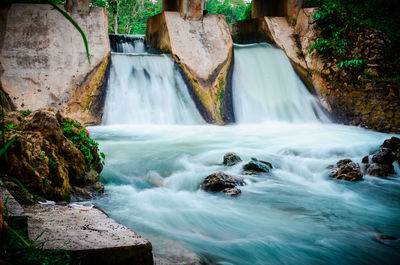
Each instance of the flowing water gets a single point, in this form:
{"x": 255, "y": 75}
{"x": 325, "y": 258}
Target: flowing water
{"x": 146, "y": 89}
{"x": 265, "y": 87}
{"x": 294, "y": 215}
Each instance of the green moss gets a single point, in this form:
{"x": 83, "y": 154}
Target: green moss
{"x": 74, "y": 132}
{"x": 221, "y": 96}
{"x": 212, "y": 98}
{"x": 95, "y": 82}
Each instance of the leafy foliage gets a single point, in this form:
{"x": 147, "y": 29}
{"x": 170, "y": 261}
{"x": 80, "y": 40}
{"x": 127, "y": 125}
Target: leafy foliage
{"x": 25, "y": 112}
{"x": 233, "y": 10}
{"x": 377, "y": 14}
{"x": 247, "y": 12}
{"x": 336, "y": 25}
{"x": 131, "y": 14}
{"x": 357, "y": 63}
{"x": 76, "y": 134}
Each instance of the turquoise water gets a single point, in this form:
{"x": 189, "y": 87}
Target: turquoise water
{"x": 295, "y": 215}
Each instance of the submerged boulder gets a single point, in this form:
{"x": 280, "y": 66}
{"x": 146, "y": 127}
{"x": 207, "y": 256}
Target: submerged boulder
{"x": 231, "y": 159}
{"x": 346, "y": 170}
{"x": 384, "y": 156}
{"x": 221, "y": 182}
{"x": 49, "y": 153}
{"x": 379, "y": 170}
{"x": 383, "y": 159}
{"x": 256, "y": 166}
{"x": 232, "y": 191}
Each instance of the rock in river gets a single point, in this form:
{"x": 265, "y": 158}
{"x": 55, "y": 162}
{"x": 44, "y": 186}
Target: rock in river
{"x": 346, "y": 170}
{"x": 231, "y": 159}
{"x": 256, "y": 166}
{"x": 222, "y": 182}
{"x": 383, "y": 159}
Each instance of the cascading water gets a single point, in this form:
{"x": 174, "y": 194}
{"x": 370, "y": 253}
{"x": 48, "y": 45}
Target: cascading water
{"x": 296, "y": 214}
{"x": 265, "y": 87}
{"x": 127, "y": 43}
{"x": 146, "y": 88}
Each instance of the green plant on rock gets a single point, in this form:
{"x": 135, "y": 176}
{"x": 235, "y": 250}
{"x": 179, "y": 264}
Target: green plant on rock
{"x": 340, "y": 20}
{"x": 320, "y": 45}
{"x": 25, "y": 112}
{"x": 76, "y": 134}
{"x": 357, "y": 63}
{"x": 52, "y": 164}
{"x": 336, "y": 25}
{"x": 10, "y": 127}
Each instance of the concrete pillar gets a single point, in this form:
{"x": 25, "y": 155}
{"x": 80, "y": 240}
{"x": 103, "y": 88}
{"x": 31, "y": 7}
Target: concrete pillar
{"x": 171, "y": 5}
{"x": 189, "y": 9}
{"x": 275, "y": 8}
{"x": 82, "y": 6}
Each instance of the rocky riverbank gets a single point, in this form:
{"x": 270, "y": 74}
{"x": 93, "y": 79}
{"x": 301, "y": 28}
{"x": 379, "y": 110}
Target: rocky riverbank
{"x": 51, "y": 160}
{"x": 51, "y": 155}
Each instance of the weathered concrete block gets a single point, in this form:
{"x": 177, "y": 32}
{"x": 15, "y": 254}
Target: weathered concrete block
{"x": 251, "y": 31}
{"x": 44, "y": 59}
{"x": 203, "y": 49}
{"x": 276, "y": 8}
{"x": 88, "y": 234}
{"x": 82, "y": 6}
{"x": 189, "y": 9}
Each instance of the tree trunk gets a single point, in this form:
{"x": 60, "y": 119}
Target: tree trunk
{"x": 115, "y": 13}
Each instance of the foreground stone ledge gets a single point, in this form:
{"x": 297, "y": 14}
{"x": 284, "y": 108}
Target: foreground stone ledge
{"x": 14, "y": 209}
{"x": 88, "y": 234}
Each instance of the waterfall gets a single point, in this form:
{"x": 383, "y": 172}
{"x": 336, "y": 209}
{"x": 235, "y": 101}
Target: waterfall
{"x": 294, "y": 214}
{"x": 127, "y": 43}
{"x": 266, "y": 88}
{"x": 145, "y": 88}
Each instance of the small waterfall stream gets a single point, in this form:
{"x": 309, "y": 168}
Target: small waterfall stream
{"x": 159, "y": 151}
{"x": 146, "y": 88}
{"x": 265, "y": 87}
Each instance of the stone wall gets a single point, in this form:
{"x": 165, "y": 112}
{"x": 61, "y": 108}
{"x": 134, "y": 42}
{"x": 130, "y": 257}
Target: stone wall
{"x": 6, "y": 102}
{"x": 276, "y": 8}
{"x": 189, "y": 9}
{"x": 367, "y": 103}
{"x": 44, "y": 60}
{"x": 203, "y": 49}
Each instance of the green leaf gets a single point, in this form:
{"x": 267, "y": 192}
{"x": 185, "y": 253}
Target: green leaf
{"x": 73, "y": 22}
{"x": 20, "y": 237}
{"x": 23, "y": 188}
{"x": 6, "y": 146}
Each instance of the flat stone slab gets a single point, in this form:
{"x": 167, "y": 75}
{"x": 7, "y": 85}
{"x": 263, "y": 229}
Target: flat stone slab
{"x": 88, "y": 234}
{"x": 13, "y": 207}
